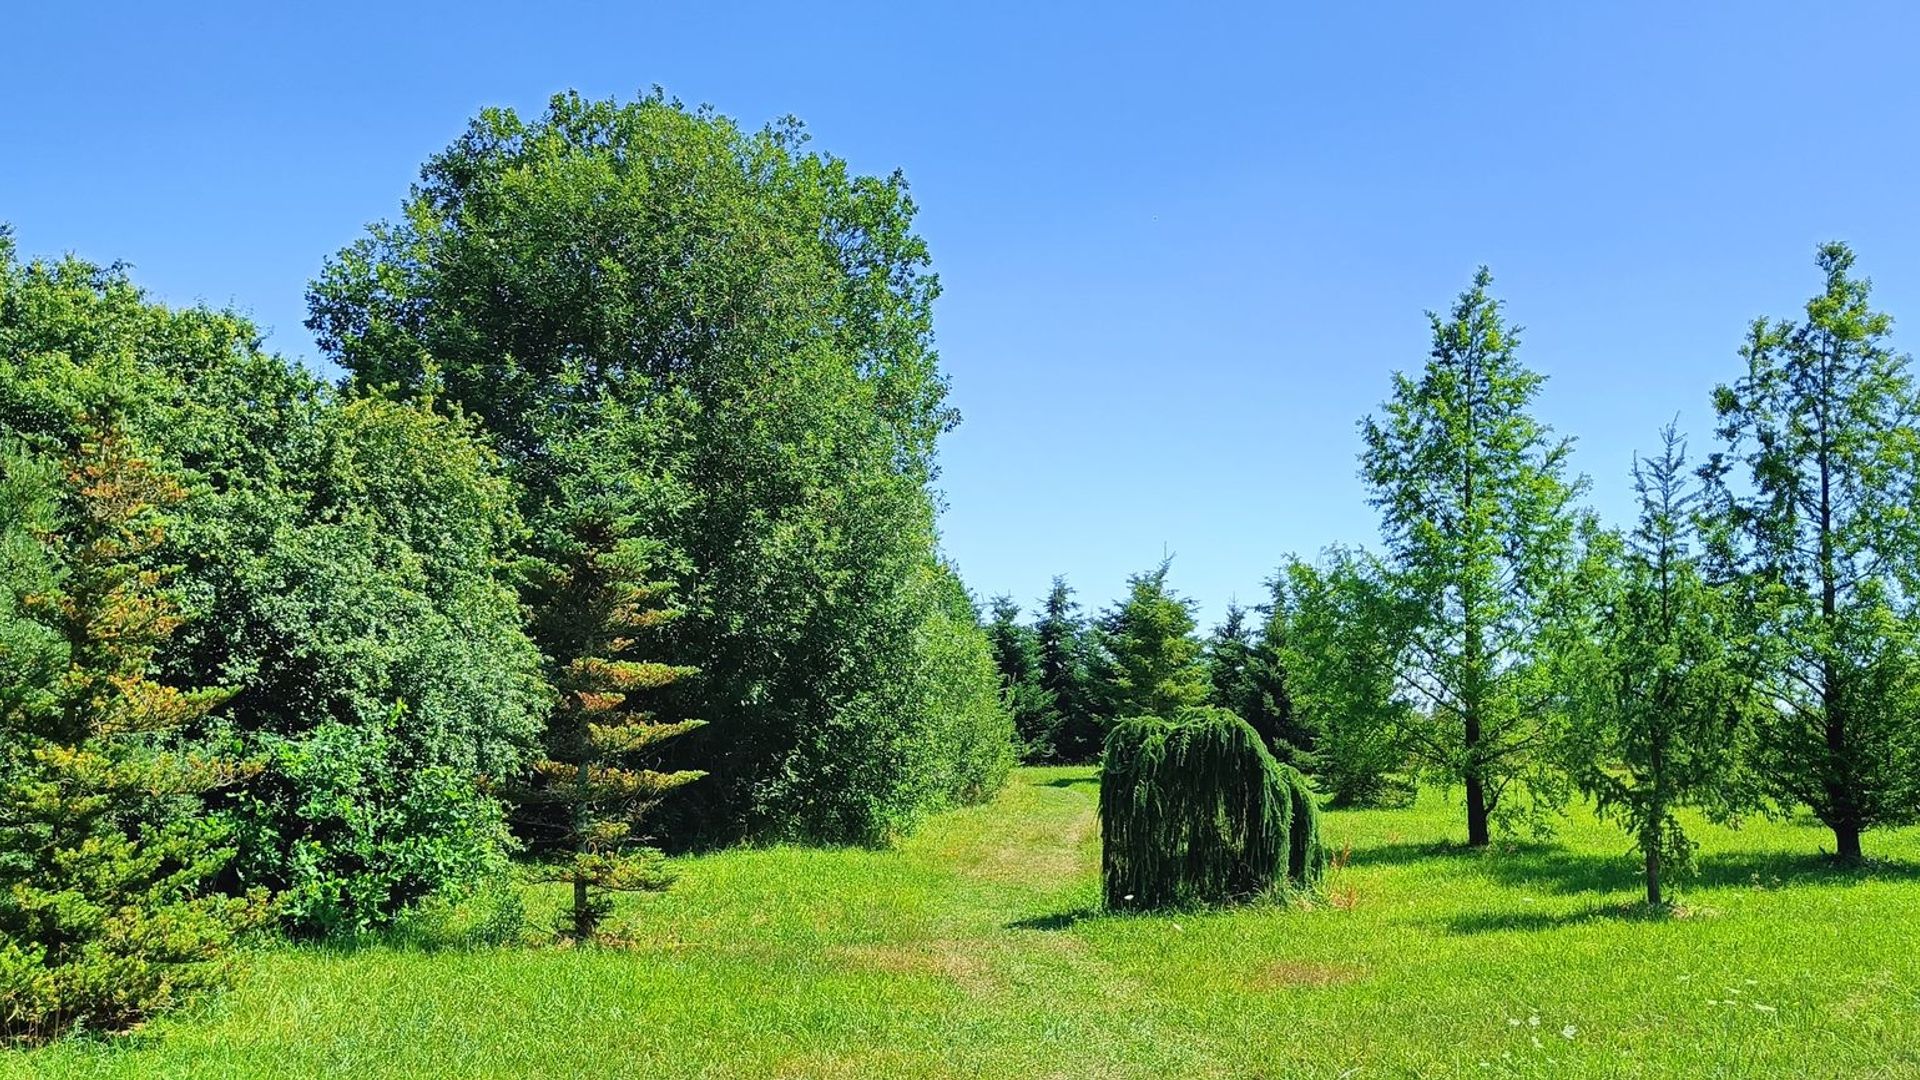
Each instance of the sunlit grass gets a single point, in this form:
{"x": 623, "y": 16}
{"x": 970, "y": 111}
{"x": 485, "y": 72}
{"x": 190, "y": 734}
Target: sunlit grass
{"x": 975, "y": 949}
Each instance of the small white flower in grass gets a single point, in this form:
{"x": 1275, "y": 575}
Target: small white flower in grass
{"x": 1764, "y": 1008}
{"x": 1129, "y": 896}
{"x": 1533, "y": 1021}
{"x": 1569, "y": 1031}
{"x": 1536, "y": 1041}
{"x": 1513, "y": 1021}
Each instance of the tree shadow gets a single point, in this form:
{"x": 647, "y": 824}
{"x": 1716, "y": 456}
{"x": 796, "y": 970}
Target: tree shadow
{"x": 1406, "y": 853}
{"x": 1496, "y": 922}
{"x": 1073, "y": 781}
{"x": 1059, "y": 920}
{"x": 1555, "y": 868}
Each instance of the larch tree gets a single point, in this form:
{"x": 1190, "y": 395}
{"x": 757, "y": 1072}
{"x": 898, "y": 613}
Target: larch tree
{"x": 1665, "y": 698}
{"x": 1477, "y": 511}
{"x": 1822, "y": 522}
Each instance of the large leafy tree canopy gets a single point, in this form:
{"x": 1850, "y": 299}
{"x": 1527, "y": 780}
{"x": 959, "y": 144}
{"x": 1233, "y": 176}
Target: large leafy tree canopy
{"x": 738, "y": 331}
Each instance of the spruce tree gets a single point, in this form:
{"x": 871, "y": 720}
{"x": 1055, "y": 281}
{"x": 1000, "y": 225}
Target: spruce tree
{"x": 1229, "y": 660}
{"x": 1016, "y": 650}
{"x": 1823, "y": 526}
{"x": 1151, "y": 650}
{"x": 107, "y": 908}
{"x": 1477, "y": 511}
{"x": 590, "y": 794}
{"x": 1060, "y": 636}
{"x": 1666, "y": 698}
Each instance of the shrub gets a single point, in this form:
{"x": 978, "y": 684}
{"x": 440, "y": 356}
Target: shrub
{"x": 1197, "y": 811}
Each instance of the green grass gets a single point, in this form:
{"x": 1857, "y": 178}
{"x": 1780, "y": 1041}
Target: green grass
{"x": 974, "y": 950}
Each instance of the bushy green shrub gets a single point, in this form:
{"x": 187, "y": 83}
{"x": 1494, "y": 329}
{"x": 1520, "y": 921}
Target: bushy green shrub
{"x": 1197, "y": 811}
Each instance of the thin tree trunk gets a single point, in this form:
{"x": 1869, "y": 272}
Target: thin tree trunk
{"x": 1478, "y": 834}
{"x": 1653, "y": 864}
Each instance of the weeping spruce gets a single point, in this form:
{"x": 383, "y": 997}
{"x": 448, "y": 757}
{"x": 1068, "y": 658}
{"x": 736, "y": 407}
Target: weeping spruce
{"x": 1197, "y": 811}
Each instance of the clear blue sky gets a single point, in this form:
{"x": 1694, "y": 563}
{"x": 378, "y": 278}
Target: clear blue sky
{"x": 1181, "y": 252}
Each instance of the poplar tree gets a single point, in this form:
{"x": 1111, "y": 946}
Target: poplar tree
{"x": 1823, "y": 525}
{"x": 1477, "y": 511}
{"x": 1666, "y": 698}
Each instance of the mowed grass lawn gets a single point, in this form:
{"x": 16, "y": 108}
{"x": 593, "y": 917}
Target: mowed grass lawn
{"x": 975, "y": 949}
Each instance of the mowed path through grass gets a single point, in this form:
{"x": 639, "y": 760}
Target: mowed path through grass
{"x": 975, "y": 949}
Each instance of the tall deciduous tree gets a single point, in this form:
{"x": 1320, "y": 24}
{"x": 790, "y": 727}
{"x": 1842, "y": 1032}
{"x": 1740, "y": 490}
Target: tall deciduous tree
{"x": 1152, "y": 650}
{"x": 1663, "y": 695}
{"x": 766, "y": 314}
{"x": 1477, "y": 510}
{"x": 1825, "y": 525}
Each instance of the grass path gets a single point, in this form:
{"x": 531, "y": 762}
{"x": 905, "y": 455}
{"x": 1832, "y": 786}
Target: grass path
{"x": 974, "y": 950}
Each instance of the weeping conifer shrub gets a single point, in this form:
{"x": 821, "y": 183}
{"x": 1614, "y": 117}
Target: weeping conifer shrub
{"x": 1197, "y": 811}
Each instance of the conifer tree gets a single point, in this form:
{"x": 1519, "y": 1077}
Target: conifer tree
{"x": 1823, "y": 526}
{"x": 106, "y": 864}
{"x": 1229, "y": 660}
{"x": 1016, "y": 654}
{"x": 1477, "y": 511}
{"x": 1666, "y": 698}
{"x": 592, "y": 791}
{"x": 1152, "y": 651}
{"x": 1061, "y": 645}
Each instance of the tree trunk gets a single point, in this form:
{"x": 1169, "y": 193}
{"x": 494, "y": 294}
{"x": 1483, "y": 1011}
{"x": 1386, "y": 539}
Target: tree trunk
{"x": 1478, "y": 834}
{"x": 1652, "y": 845}
{"x": 1846, "y": 840}
{"x": 582, "y": 912}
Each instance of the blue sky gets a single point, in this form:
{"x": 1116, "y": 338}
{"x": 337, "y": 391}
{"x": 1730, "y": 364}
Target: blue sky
{"x": 1181, "y": 252}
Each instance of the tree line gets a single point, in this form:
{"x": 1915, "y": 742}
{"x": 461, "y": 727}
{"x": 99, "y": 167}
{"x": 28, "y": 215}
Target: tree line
{"x": 1749, "y": 644}
{"x": 625, "y": 490}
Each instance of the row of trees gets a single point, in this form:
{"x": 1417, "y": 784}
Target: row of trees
{"x": 1750, "y": 643}
{"x": 626, "y": 489}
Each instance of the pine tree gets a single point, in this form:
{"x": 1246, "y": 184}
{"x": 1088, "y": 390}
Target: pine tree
{"x": 1151, "y": 650}
{"x": 1477, "y": 512}
{"x": 1667, "y": 702}
{"x": 1824, "y": 529}
{"x": 592, "y": 791}
{"x": 1229, "y": 660}
{"x": 107, "y": 913}
{"x": 1060, "y": 636}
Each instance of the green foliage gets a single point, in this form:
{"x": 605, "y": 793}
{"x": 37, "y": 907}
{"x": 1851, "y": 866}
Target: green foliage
{"x": 599, "y": 606}
{"x": 1062, "y": 642}
{"x": 344, "y": 562}
{"x": 1331, "y": 630}
{"x": 1196, "y": 811}
{"x": 1016, "y": 655}
{"x": 1477, "y": 512}
{"x": 1664, "y": 700}
{"x": 1151, "y": 654}
{"x": 1823, "y": 528}
{"x": 638, "y": 290}
{"x": 106, "y": 913}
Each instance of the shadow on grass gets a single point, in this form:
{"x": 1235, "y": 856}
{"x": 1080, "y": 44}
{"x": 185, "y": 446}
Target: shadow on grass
{"x": 1059, "y": 920}
{"x": 1496, "y": 922}
{"x": 1073, "y": 781}
{"x": 1564, "y": 871}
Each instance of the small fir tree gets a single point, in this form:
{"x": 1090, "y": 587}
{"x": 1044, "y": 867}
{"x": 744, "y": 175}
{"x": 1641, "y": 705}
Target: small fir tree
{"x": 107, "y": 913}
{"x": 1061, "y": 642}
{"x": 1152, "y": 654}
{"x": 1016, "y": 654}
{"x": 590, "y": 794}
